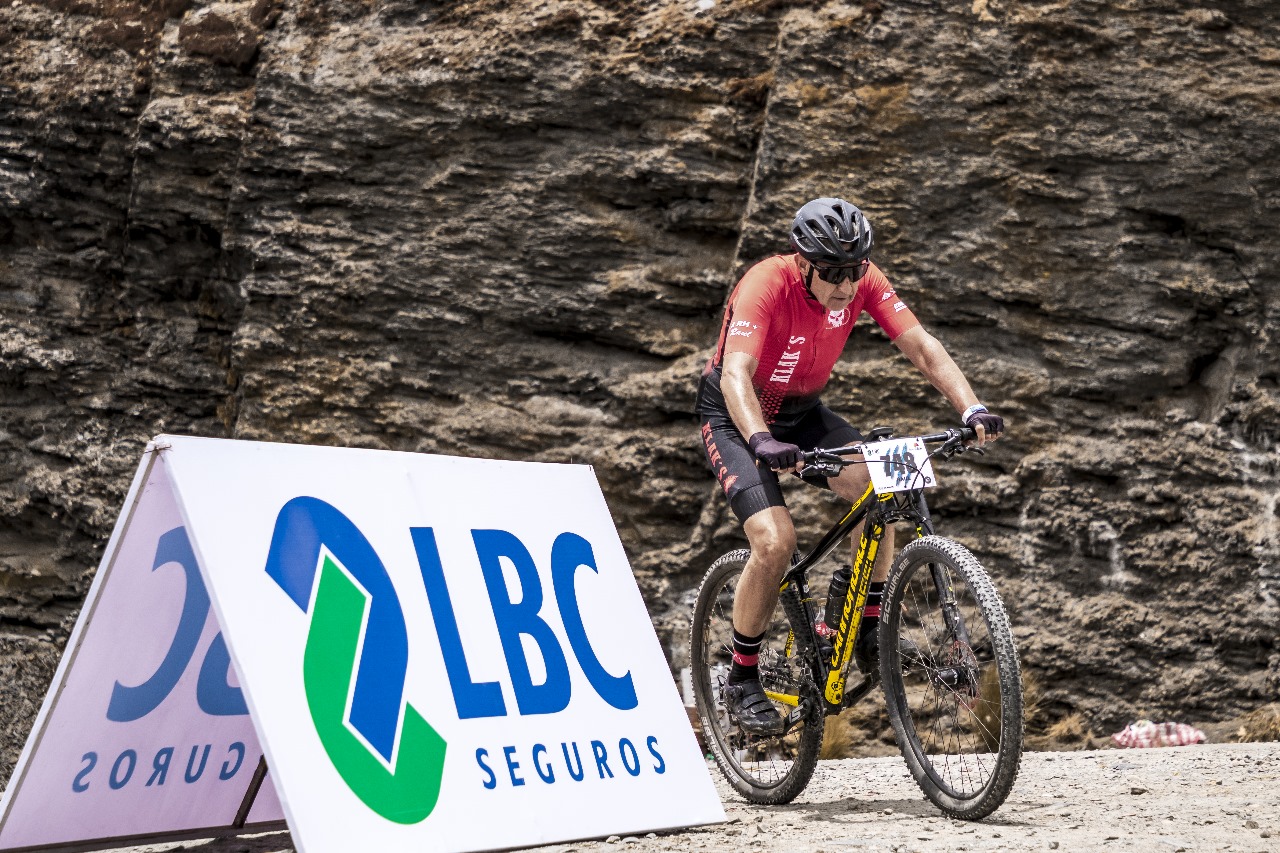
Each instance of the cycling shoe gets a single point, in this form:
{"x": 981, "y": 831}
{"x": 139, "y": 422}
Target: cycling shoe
{"x": 752, "y": 709}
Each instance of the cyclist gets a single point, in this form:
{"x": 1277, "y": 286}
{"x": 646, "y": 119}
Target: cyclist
{"x": 784, "y": 327}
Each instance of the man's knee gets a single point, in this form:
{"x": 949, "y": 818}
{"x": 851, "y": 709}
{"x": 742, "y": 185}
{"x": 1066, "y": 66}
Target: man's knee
{"x": 852, "y": 482}
{"x": 772, "y": 537}
{"x": 778, "y": 547}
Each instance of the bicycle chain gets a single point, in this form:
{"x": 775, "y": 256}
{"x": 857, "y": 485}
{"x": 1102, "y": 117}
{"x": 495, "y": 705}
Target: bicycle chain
{"x": 792, "y": 599}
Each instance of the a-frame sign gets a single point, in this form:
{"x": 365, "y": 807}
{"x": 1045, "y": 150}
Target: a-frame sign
{"x": 407, "y": 641}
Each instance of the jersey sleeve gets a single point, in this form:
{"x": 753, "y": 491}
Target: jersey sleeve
{"x": 886, "y": 307}
{"x": 752, "y": 308}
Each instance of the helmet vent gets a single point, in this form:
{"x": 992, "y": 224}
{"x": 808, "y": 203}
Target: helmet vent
{"x": 831, "y": 231}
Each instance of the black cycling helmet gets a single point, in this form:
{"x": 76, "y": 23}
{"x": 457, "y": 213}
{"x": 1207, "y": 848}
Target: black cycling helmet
{"x": 831, "y": 231}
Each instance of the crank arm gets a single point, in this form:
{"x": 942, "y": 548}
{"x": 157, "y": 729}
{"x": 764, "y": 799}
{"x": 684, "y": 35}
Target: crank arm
{"x": 798, "y": 714}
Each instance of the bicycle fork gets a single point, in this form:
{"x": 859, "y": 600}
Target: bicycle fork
{"x": 954, "y": 678}
{"x": 960, "y": 675}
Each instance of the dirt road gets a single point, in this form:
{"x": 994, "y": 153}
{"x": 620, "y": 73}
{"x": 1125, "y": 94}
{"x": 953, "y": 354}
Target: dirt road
{"x": 1200, "y": 798}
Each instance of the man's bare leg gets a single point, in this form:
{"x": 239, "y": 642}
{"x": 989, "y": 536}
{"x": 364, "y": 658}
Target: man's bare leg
{"x": 773, "y": 541}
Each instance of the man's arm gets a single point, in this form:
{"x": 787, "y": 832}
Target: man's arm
{"x": 736, "y": 372}
{"x": 932, "y": 359}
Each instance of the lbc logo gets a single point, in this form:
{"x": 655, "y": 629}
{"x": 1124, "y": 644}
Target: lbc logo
{"x": 356, "y": 654}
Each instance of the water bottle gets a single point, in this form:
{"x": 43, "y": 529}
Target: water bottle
{"x": 836, "y": 595}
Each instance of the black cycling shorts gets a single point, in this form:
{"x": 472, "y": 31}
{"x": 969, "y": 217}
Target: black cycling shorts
{"x": 752, "y": 487}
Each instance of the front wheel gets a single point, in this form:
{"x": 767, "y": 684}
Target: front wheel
{"x": 951, "y": 678}
{"x": 765, "y": 769}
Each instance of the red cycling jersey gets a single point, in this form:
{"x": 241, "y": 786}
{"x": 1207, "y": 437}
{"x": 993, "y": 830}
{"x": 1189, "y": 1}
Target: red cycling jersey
{"x": 772, "y": 317}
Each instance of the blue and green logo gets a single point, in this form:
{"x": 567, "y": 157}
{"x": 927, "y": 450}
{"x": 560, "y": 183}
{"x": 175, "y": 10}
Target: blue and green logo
{"x": 390, "y": 757}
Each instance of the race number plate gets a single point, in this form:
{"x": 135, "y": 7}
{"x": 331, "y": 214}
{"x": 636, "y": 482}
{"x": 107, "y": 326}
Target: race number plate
{"x": 899, "y": 465}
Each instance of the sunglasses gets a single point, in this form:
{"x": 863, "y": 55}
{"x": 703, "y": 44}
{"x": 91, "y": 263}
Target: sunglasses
{"x": 837, "y": 275}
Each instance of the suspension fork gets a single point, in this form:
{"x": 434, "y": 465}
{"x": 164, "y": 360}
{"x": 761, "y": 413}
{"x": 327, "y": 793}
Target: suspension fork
{"x": 941, "y": 580}
{"x": 924, "y": 521}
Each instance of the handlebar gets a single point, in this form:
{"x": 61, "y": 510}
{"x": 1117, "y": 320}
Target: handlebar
{"x": 827, "y": 462}
{"x": 951, "y": 436}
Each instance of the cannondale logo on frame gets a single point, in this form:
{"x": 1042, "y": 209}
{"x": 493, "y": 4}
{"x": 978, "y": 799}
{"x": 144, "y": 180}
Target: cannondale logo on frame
{"x": 392, "y": 761}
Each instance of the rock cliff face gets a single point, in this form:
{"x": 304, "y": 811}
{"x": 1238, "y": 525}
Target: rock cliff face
{"x": 508, "y": 228}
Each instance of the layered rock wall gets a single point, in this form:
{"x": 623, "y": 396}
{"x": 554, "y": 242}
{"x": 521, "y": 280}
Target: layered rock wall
{"x": 507, "y": 229}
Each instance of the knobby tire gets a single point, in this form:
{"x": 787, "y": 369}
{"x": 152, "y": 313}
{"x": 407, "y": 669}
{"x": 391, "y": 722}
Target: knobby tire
{"x": 767, "y": 770}
{"x": 956, "y": 706}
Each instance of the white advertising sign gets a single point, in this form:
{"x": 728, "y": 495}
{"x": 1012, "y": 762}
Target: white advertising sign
{"x": 437, "y": 654}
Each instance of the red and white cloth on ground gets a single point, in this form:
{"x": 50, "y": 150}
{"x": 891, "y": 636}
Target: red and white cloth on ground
{"x": 1145, "y": 733}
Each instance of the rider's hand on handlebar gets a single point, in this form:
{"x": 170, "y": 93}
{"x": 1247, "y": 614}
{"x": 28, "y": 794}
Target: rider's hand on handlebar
{"x": 989, "y": 427}
{"x": 778, "y": 455}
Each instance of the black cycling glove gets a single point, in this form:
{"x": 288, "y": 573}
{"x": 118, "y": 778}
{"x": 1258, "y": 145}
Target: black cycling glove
{"x": 991, "y": 424}
{"x": 778, "y": 455}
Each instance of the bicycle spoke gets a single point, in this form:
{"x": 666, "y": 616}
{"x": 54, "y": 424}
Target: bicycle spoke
{"x": 768, "y": 768}
{"x": 952, "y": 693}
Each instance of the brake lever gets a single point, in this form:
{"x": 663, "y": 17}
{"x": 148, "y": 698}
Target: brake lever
{"x": 951, "y": 447}
{"x": 822, "y": 468}
{"x": 956, "y": 446}
{"x": 822, "y": 464}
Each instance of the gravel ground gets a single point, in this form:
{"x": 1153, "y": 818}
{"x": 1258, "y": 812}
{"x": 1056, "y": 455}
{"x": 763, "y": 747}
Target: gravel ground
{"x": 1213, "y": 797}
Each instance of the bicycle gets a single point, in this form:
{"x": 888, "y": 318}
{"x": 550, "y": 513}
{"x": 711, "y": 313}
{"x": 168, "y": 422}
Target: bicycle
{"x": 948, "y": 665}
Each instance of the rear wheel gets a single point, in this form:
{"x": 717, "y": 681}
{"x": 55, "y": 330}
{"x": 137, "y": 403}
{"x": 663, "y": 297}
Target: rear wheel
{"x": 951, "y": 678}
{"x": 764, "y": 769}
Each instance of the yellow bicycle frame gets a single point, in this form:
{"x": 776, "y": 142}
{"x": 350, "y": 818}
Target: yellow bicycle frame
{"x": 851, "y": 617}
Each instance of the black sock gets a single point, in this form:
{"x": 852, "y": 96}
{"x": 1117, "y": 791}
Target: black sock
{"x": 746, "y": 657}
